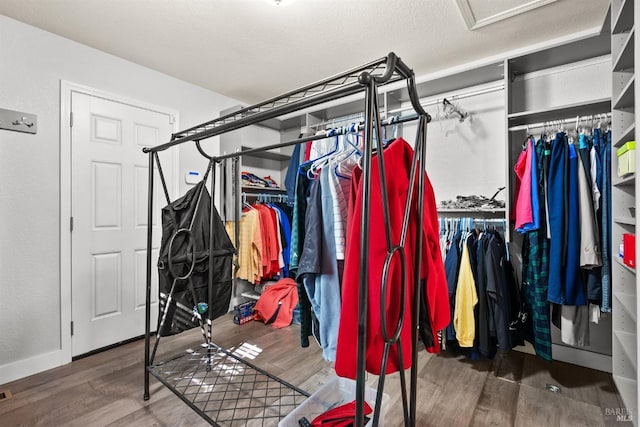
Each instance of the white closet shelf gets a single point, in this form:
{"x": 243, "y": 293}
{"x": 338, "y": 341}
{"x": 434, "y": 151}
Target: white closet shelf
{"x": 623, "y": 21}
{"x": 251, "y": 295}
{"x": 623, "y": 265}
{"x": 560, "y": 112}
{"x": 627, "y": 301}
{"x": 267, "y": 154}
{"x": 579, "y": 50}
{"x": 454, "y": 211}
{"x": 625, "y": 99}
{"x": 626, "y": 181}
{"x": 625, "y": 220}
{"x": 628, "y": 342}
{"x": 251, "y": 189}
{"x": 626, "y": 135}
{"x": 624, "y": 61}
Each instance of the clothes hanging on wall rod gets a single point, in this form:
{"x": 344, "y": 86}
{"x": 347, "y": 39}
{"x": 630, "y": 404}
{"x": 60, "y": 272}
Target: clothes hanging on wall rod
{"x": 566, "y": 263}
{"x": 265, "y": 198}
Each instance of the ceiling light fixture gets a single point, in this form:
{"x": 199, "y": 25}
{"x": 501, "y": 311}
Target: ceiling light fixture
{"x": 280, "y": 2}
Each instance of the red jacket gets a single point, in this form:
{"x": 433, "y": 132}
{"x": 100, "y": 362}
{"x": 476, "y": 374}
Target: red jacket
{"x": 398, "y": 157}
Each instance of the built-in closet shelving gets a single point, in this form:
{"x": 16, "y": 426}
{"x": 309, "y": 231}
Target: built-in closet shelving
{"x": 552, "y": 86}
{"x": 559, "y": 81}
{"x": 623, "y": 127}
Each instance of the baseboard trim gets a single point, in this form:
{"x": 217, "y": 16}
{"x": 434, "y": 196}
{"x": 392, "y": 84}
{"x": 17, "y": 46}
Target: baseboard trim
{"x": 33, "y": 365}
{"x": 576, "y": 356}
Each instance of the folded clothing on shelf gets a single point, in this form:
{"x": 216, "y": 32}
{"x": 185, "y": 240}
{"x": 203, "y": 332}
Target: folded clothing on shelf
{"x": 254, "y": 180}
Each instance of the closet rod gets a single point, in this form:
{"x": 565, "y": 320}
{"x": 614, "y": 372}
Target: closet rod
{"x": 339, "y": 131}
{"x": 569, "y": 120}
{"x": 468, "y": 94}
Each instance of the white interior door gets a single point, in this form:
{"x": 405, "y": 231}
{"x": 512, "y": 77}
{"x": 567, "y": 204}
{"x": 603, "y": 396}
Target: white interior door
{"x": 109, "y": 176}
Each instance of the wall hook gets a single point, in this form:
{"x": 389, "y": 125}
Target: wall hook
{"x": 23, "y": 121}
{"x": 18, "y": 121}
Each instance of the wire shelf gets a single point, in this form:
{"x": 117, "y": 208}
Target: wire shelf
{"x": 387, "y": 70}
{"x": 226, "y": 390}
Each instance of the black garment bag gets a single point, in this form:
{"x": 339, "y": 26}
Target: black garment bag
{"x": 185, "y": 236}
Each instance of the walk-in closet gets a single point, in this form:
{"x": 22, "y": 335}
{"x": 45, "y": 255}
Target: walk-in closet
{"x": 318, "y": 213}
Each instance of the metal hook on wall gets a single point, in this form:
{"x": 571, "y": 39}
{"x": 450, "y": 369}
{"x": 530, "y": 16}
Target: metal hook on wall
{"x": 23, "y": 121}
{"x": 449, "y": 109}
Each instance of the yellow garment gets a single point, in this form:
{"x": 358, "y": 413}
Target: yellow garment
{"x": 249, "y": 246}
{"x": 466, "y": 299}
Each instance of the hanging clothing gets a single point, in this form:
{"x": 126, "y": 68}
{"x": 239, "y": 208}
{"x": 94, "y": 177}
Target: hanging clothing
{"x": 574, "y": 286}
{"x": 298, "y": 222}
{"x": 398, "y": 159}
{"x": 339, "y": 186}
{"x": 527, "y": 202}
{"x": 557, "y": 189}
{"x": 466, "y": 300}
{"x": 603, "y": 141}
{"x": 535, "y": 269}
{"x": 522, "y": 205}
{"x": 573, "y": 321}
{"x": 452, "y": 267}
{"x": 318, "y": 269}
{"x": 589, "y": 238}
{"x": 285, "y": 233}
{"x": 193, "y": 212}
{"x": 483, "y": 342}
{"x": 498, "y": 290}
{"x": 250, "y": 246}
{"x": 292, "y": 172}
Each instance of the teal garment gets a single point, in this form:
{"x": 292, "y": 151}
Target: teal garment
{"x": 297, "y": 244}
{"x": 297, "y": 226}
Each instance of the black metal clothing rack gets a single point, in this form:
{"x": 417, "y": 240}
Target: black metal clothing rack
{"x": 366, "y": 78}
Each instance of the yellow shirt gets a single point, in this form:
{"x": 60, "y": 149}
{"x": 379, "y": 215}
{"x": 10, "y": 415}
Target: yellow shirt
{"x": 249, "y": 246}
{"x": 466, "y": 299}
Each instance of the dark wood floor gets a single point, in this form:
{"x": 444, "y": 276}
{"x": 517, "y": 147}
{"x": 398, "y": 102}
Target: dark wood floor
{"x": 106, "y": 388}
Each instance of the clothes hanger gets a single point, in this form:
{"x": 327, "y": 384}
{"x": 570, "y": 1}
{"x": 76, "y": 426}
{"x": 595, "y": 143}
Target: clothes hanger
{"x": 244, "y": 202}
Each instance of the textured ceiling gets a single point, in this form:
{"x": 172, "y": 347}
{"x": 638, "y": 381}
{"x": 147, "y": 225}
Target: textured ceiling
{"x": 251, "y": 49}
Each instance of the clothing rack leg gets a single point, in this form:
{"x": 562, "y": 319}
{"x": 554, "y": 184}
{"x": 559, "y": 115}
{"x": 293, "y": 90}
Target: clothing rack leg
{"x": 209, "y": 322}
{"x": 147, "y": 330}
{"x": 415, "y": 312}
{"x": 370, "y": 93}
{"x": 236, "y": 217}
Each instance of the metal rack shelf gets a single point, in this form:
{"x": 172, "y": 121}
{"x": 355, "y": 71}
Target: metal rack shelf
{"x": 226, "y": 390}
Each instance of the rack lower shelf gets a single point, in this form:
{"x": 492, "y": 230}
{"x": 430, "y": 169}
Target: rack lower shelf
{"x": 226, "y": 390}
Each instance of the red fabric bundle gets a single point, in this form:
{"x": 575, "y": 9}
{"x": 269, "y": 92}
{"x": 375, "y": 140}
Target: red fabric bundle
{"x": 277, "y": 301}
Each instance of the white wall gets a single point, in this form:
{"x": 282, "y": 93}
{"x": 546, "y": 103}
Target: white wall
{"x": 562, "y": 85}
{"x": 466, "y": 158}
{"x": 32, "y": 63}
